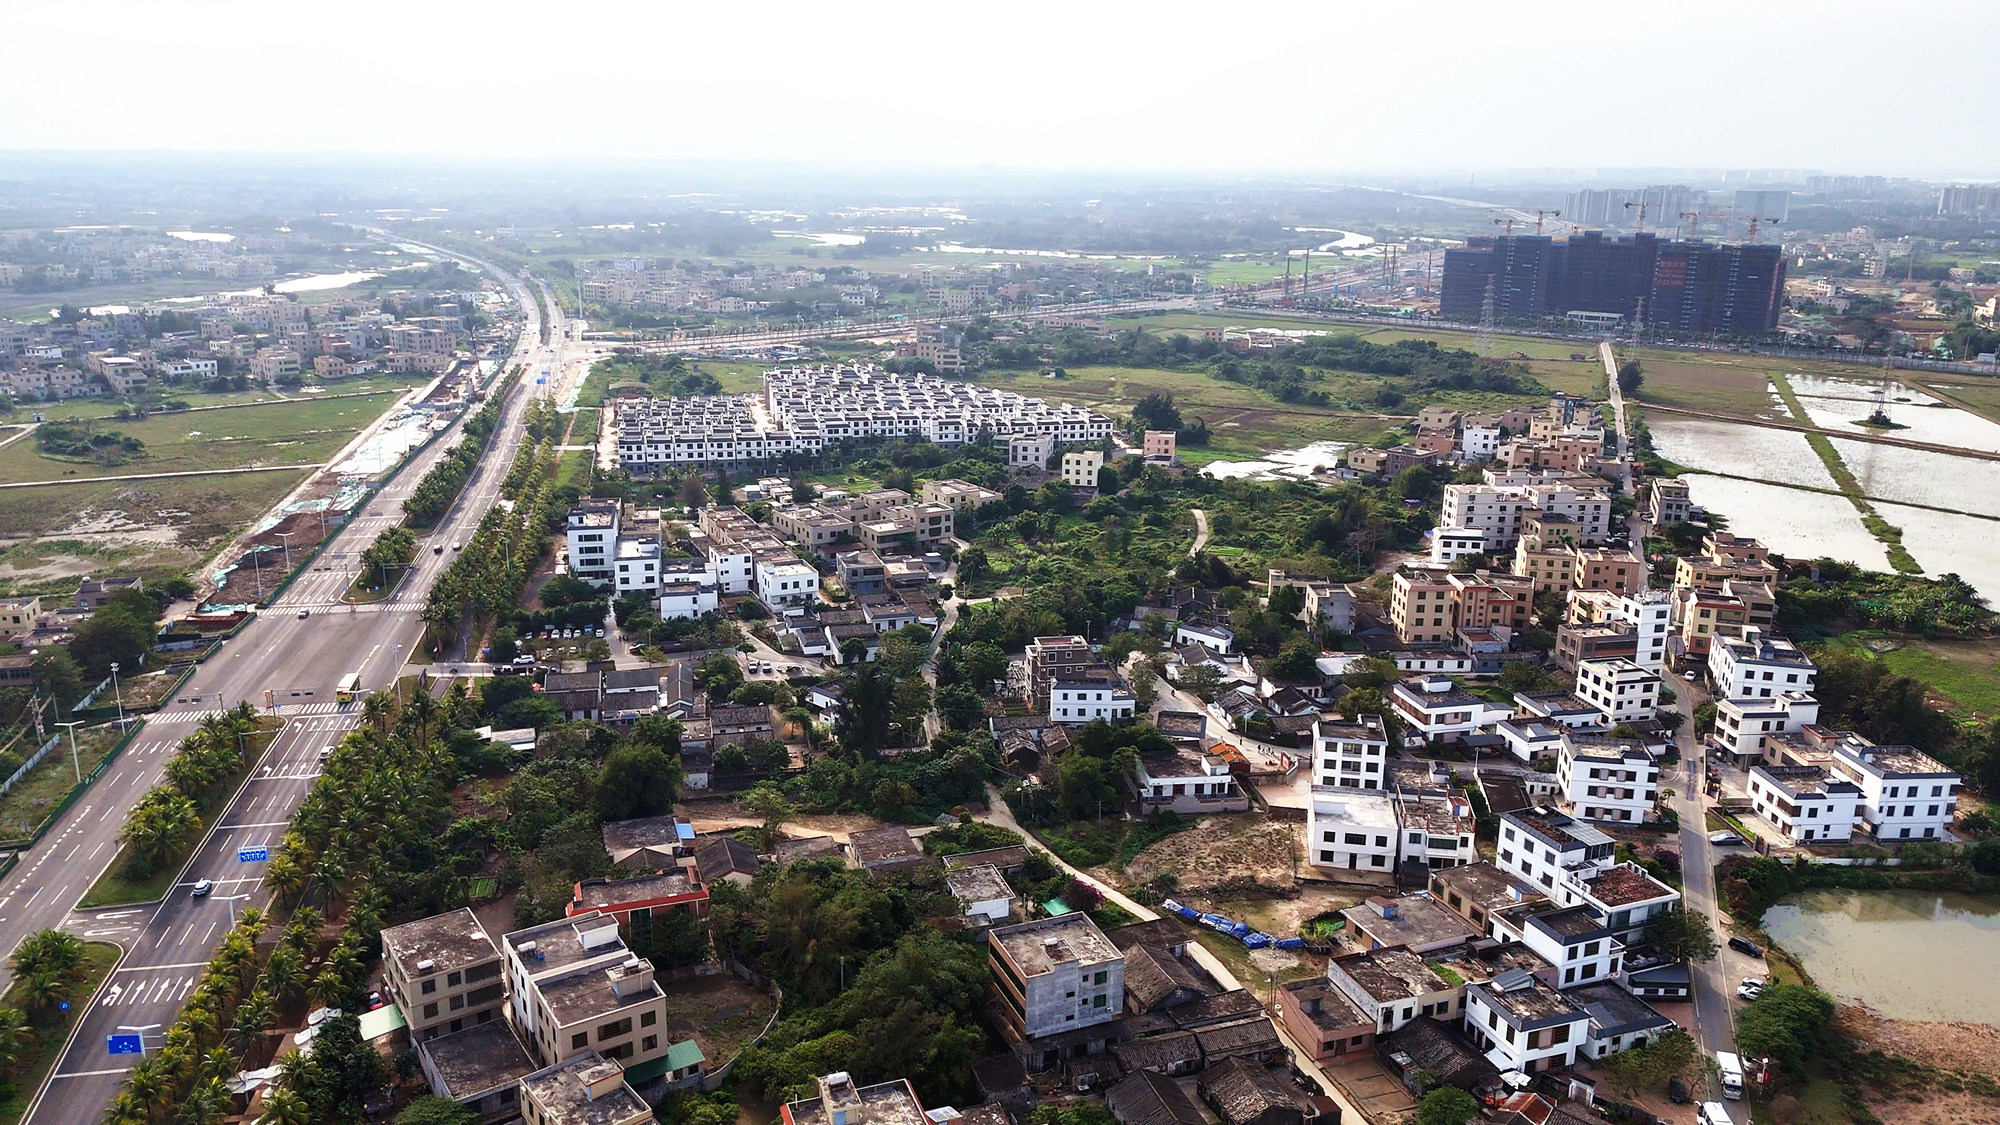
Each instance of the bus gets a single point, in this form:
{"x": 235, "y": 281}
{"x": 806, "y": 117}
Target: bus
{"x": 348, "y": 687}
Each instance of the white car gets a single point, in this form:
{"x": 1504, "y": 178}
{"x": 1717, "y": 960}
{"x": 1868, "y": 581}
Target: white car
{"x": 1750, "y": 989}
{"x": 1690, "y": 677}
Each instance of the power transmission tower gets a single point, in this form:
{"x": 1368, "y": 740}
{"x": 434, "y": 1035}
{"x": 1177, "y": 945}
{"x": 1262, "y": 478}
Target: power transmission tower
{"x": 1485, "y": 337}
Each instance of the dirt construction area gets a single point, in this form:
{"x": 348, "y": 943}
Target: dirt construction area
{"x": 1968, "y": 1048}
{"x": 1224, "y": 852}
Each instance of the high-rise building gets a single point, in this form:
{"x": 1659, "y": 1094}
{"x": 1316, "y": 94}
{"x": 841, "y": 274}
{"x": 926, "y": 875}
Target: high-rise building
{"x": 1681, "y": 288}
{"x": 1969, "y": 199}
{"x": 1763, "y": 205}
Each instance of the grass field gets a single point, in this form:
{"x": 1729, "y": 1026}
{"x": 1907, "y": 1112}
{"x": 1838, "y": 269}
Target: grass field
{"x": 24, "y": 806}
{"x": 293, "y": 433}
{"x": 107, "y": 407}
{"x": 1967, "y": 672}
{"x": 1693, "y": 383}
{"x": 153, "y": 528}
{"x": 23, "y": 1074}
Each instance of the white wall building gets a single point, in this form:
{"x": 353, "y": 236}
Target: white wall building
{"x": 593, "y": 541}
{"x": 1806, "y": 803}
{"x": 1523, "y": 1024}
{"x": 1080, "y": 467}
{"x": 1449, "y": 544}
{"x": 1607, "y": 779}
{"x": 1350, "y": 755}
{"x": 1620, "y": 689}
{"x": 1758, "y": 666}
{"x": 786, "y": 581}
{"x": 1087, "y": 698}
{"x": 1905, "y": 793}
{"x": 1352, "y": 831}
{"x": 1744, "y": 727}
{"x": 1479, "y": 443}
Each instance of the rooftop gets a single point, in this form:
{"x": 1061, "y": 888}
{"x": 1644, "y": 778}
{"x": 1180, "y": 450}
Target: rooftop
{"x": 1151, "y": 1098}
{"x": 607, "y": 894}
{"x": 661, "y": 833}
{"x": 1389, "y": 975}
{"x": 1569, "y": 925}
{"x": 1177, "y": 763}
{"x": 1483, "y": 959}
{"x": 566, "y": 941}
{"x": 1333, "y": 1012}
{"x": 1244, "y": 1091}
{"x": 1623, "y": 884}
{"x": 591, "y": 993}
{"x": 884, "y": 845}
{"x": 1896, "y": 761}
{"x": 1558, "y": 828}
{"x": 1409, "y": 920}
{"x": 1483, "y": 884}
{"x": 885, "y": 1103}
{"x": 978, "y": 884}
{"x": 1527, "y": 1003}
{"x": 452, "y": 941}
{"x": 483, "y": 1057}
{"x": 585, "y": 1089}
{"x": 1038, "y": 947}
{"x": 1616, "y": 1011}
{"x": 722, "y": 856}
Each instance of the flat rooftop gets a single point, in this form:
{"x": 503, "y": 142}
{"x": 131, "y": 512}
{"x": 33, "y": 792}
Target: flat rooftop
{"x": 1389, "y": 975}
{"x": 978, "y": 884}
{"x": 453, "y": 940}
{"x": 1559, "y": 828}
{"x": 1530, "y": 1003}
{"x": 1616, "y": 1011}
{"x": 1624, "y": 884}
{"x": 885, "y": 1103}
{"x": 1484, "y": 959}
{"x": 660, "y": 832}
{"x": 567, "y": 941}
{"x": 1569, "y": 925}
{"x": 590, "y": 993}
{"x": 1417, "y": 921}
{"x": 1038, "y": 947}
{"x": 1360, "y": 808}
{"x": 1333, "y": 1012}
{"x": 564, "y": 1092}
{"x": 595, "y": 894}
{"x": 1483, "y": 884}
{"x": 483, "y": 1057}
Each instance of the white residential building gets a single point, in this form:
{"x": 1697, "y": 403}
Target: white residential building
{"x": 1758, "y": 666}
{"x": 1573, "y": 864}
{"x": 1030, "y": 451}
{"x": 1449, "y": 544}
{"x": 1085, "y": 695}
{"x": 1220, "y": 639}
{"x": 1573, "y": 940}
{"x": 1745, "y": 727}
{"x": 1650, "y": 613}
{"x": 1612, "y": 780}
{"x": 785, "y": 581}
{"x": 1524, "y": 1025}
{"x": 1806, "y": 803}
{"x": 1350, "y": 755}
{"x": 1352, "y": 831}
{"x": 1620, "y": 689}
{"x": 1435, "y": 708}
{"x": 1497, "y": 509}
{"x": 191, "y": 368}
{"x": 1479, "y": 443}
{"x": 1188, "y": 781}
{"x": 638, "y": 565}
{"x": 1905, "y": 793}
{"x": 1080, "y": 467}
{"x": 593, "y": 541}
{"x": 687, "y": 599}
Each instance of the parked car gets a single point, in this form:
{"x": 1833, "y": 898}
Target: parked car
{"x": 1724, "y": 839}
{"x": 1750, "y": 989}
{"x": 1677, "y": 1091}
{"x": 1745, "y": 945}
{"x": 304, "y": 613}
{"x": 1688, "y": 676}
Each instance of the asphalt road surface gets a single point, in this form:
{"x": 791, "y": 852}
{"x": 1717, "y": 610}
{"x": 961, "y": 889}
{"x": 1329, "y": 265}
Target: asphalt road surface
{"x": 283, "y": 661}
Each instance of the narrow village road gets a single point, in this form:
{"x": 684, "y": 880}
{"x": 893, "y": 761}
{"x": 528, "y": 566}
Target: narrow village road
{"x": 1200, "y": 532}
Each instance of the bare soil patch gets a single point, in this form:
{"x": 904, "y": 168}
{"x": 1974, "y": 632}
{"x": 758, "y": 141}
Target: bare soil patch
{"x": 1949, "y": 1045}
{"x": 1225, "y": 851}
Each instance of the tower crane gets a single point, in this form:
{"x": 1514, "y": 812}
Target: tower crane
{"x": 1541, "y": 215}
{"x": 1507, "y": 222}
{"x": 1641, "y": 205}
{"x": 1694, "y": 220}
{"x": 1754, "y": 220}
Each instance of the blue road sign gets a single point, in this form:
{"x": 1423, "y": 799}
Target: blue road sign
{"x": 124, "y": 1044}
{"x": 252, "y": 855}
{"x": 63, "y": 1007}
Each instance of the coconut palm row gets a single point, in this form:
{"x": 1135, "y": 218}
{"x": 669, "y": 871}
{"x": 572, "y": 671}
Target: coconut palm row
{"x": 167, "y": 820}
{"x": 367, "y": 835}
{"x": 488, "y": 576}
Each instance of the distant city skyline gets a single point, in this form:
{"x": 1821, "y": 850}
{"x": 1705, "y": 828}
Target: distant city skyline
{"x": 1843, "y": 87}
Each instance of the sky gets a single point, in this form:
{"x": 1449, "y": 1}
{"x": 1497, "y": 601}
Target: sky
{"x": 1444, "y": 87}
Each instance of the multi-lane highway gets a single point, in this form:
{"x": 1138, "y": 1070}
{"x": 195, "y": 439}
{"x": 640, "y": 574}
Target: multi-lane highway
{"x": 294, "y": 662}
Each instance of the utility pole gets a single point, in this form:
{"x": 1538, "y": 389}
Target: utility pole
{"x": 1485, "y": 337}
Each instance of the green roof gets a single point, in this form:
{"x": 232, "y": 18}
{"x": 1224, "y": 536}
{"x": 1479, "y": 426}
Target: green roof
{"x": 1056, "y": 908}
{"x": 684, "y": 1054}
{"x": 381, "y": 1021}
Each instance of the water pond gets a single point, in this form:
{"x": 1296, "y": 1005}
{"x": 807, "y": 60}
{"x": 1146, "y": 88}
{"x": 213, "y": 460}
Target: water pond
{"x": 1913, "y": 955}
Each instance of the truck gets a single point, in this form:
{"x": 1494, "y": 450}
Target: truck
{"x": 1731, "y": 1069}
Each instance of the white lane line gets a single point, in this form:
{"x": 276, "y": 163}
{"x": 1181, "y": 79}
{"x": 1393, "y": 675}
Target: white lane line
{"x": 158, "y": 968}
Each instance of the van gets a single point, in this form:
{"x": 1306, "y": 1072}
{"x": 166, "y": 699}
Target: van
{"x": 1731, "y": 1069}
{"x": 1715, "y": 1113}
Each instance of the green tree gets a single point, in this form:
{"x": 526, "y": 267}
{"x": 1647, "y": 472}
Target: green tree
{"x": 1650, "y": 1066}
{"x": 867, "y": 709}
{"x": 1447, "y": 1105}
{"x": 1680, "y": 935}
{"x": 1630, "y": 376}
{"x": 638, "y": 779}
{"x": 58, "y": 678}
{"x": 1789, "y": 1023}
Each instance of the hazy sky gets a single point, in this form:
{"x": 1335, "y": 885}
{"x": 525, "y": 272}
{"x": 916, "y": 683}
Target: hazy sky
{"x": 1322, "y": 87}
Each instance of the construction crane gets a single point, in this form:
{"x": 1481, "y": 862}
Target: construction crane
{"x": 1541, "y": 214}
{"x": 1754, "y": 220}
{"x": 1694, "y": 220}
{"x": 1507, "y": 222}
{"x": 1641, "y": 205}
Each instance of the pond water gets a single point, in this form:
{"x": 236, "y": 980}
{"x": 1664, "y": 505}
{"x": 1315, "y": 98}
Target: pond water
{"x": 1791, "y": 521}
{"x": 1949, "y": 543}
{"x": 320, "y": 281}
{"x": 1918, "y": 476}
{"x": 823, "y": 238}
{"x": 1911, "y": 955}
{"x": 201, "y": 236}
{"x": 1838, "y": 404}
{"x": 1778, "y": 456}
{"x": 1285, "y": 464}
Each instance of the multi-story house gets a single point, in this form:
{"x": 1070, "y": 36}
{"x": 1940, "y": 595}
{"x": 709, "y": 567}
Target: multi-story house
{"x": 1905, "y": 793}
{"x": 593, "y": 541}
{"x": 1759, "y": 666}
{"x": 1350, "y": 755}
{"x": 1574, "y": 940}
{"x": 1421, "y": 606}
{"x": 1088, "y": 693}
{"x": 1620, "y": 689}
{"x": 586, "y": 1089}
{"x": 1523, "y": 1024}
{"x": 785, "y": 581}
{"x": 1055, "y": 975}
{"x": 1648, "y": 614}
{"x": 1436, "y": 709}
{"x": 1667, "y": 501}
{"x": 1080, "y": 467}
{"x": 1393, "y": 987}
{"x": 1613, "y": 780}
{"x": 576, "y": 987}
{"x": 1188, "y": 781}
{"x": 1807, "y": 804}
{"x": 1351, "y": 830}
{"x": 1745, "y": 728}
{"x": 444, "y": 973}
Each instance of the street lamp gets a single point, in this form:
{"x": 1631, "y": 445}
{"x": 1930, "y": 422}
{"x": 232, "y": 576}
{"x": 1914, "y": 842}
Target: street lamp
{"x": 286, "y": 536}
{"x": 73, "y": 759}
{"x": 118, "y": 694}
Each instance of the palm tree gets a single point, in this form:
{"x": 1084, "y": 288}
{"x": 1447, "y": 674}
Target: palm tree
{"x": 149, "y": 1087}
{"x": 328, "y": 989}
{"x": 284, "y": 1107}
{"x": 14, "y": 1033}
{"x": 285, "y": 878}
{"x": 43, "y": 990}
{"x": 206, "y": 1104}
{"x": 296, "y": 1072}
{"x": 127, "y": 1109}
{"x": 253, "y": 1017}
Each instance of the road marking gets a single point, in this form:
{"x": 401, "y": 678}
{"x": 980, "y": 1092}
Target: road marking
{"x": 266, "y": 824}
{"x": 92, "y": 1073}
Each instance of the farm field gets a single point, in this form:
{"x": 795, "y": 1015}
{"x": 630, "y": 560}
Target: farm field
{"x": 291, "y": 433}
{"x": 1967, "y": 672}
{"x": 108, "y": 407}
